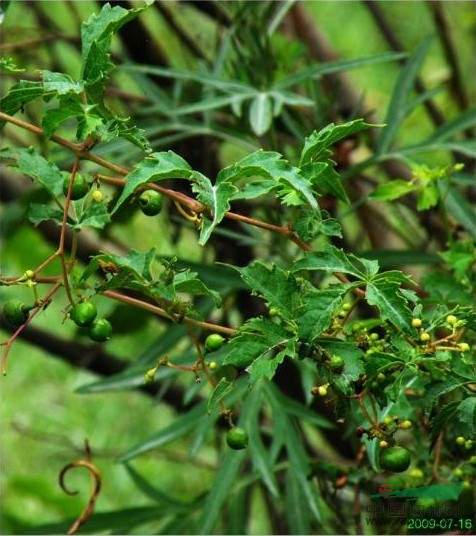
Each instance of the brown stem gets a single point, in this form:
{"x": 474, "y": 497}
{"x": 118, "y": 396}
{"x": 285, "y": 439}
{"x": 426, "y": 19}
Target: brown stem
{"x": 161, "y": 312}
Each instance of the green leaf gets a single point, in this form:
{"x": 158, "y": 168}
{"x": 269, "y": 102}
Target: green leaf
{"x": 265, "y": 367}
{"x": 180, "y": 426}
{"x": 155, "y": 167}
{"x": 134, "y": 264}
{"x": 305, "y": 414}
{"x": 463, "y": 121}
{"x": 70, "y": 106}
{"x": 461, "y": 210}
{"x": 317, "y": 145}
{"x": 39, "y": 212}
{"x": 20, "y": 95}
{"x": 296, "y": 515}
{"x": 353, "y": 364}
{"x": 389, "y": 191}
{"x": 277, "y": 174}
{"x": 96, "y": 35}
{"x": 278, "y": 287}
{"x": 60, "y": 84}
{"x": 187, "y": 281}
{"x": 391, "y": 304}
{"x": 317, "y": 309}
{"x": 31, "y": 164}
{"x": 93, "y": 214}
{"x": 467, "y": 415}
{"x": 257, "y": 338}
{"x": 222, "y": 388}
{"x": 439, "y": 420}
{"x": 428, "y": 196}
{"x": 261, "y": 114}
{"x": 397, "y": 110}
{"x": 332, "y": 259}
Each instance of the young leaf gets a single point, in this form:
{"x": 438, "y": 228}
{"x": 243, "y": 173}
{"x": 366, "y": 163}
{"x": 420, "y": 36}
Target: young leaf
{"x": 395, "y": 189}
{"x": 222, "y": 388}
{"x": 96, "y": 35}
{"x": 92, "y": 214}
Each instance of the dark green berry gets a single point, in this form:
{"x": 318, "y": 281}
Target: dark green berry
{"x": 214, "y": 342}
{"x": 100, "y": 330}
{"x": 83, "y": 314}
{"x": 16, "y": 312}
{"x": 237, "y": 438}
{"x": 396, "y": 459}
{"x": 150, "y": 202}
{"x": 80, "y": 187}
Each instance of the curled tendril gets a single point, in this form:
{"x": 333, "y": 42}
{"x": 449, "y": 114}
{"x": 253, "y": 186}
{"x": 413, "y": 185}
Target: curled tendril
{"x": 89, "y": 509}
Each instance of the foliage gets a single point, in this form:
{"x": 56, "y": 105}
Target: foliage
{"x": 333, "y": 353}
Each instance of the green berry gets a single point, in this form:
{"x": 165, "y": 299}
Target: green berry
{"x": 97, "y": 196}
{"x": 16, "y": 312}
{"x": 29, "y": 274}
{"x": 273, "y": 311}
{"x": 214, "y": 342}
{"x": 80, "y": 187}
{"x": 100, "y": 330}
{"x": 212, "y": 365}
{"x": 151, "y": 202}
{"x": 374, "y": 336}
{"x": 451, "y": 320}
{"x": 424, "y": 337}
{"x": 396, "y": 459}
{"x": 416, "y": 473}
{"x": 416, "y": 322}
{"x": 383, "y": 444}
{"x": 468, "y": 444}
{"x": 458, "y": 472}
{"x": 463, "y": 346}
{"x": 150, "y": 375}
{"x": 322, "y": 390}
{"x": 346, "y": 306}
{"x": 237, "y": 438}
{"x": 336, "y": 363}
{"x": 83, "y": 314}
{"x": 405, "y": 425}
{"x": 460, "y": 440}
{"x": 472, "y": 460}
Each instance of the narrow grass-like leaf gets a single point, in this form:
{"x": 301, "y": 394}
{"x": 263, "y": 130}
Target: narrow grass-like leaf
{"x": 261, "y": 113}
{"x": 181, "y": 426}
{"x": 397, "y": 110}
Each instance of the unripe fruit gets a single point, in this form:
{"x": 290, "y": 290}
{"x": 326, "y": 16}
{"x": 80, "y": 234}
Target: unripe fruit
{"x": 346, "y": 306}
{"x": 80, "y": 187}
{"x": 396, "y": 459}
{"x": 97, "y": 196}
{"x": 451, "y": 320}
{"x": 460, "y": 440}
{"x": 405, "y": 425}
{"x": 150, "y": 375}
{"x": 463, "y": 346}
{"x": 29, "y": 274}
{"x": 416, "y": 473}
{"x": 83, "y": 314}
{"x": 458, "y": 473}
{"x": 151, "y": 202}
{"x": 336, "y": 362}
{"x": 322, "y": 390}
{"x": 374, "y": 336}
{"x": 416, "y": 322}
{"x": 212, "y": 365}
{"x": 237, "y": 438}
{"x": 273, "y": 311}
{"x": 468, "y": 444}
{"x": 383, "y": 444}
{"x": 472, "y": 460}
{"x": 214, "y": 342}
{"x": 424, "y": 337}
{"x": 16, "y": 312}
{"x": 100, "y": 330}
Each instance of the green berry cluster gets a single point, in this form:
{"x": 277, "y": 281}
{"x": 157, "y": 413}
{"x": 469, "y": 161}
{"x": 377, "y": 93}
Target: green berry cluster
{"x": 84, "y": 315}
